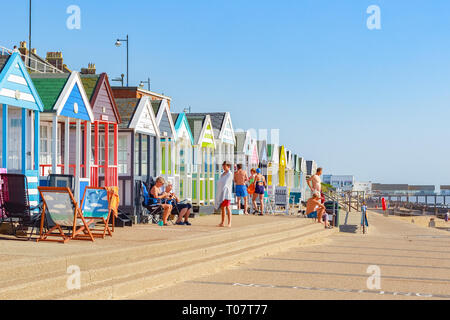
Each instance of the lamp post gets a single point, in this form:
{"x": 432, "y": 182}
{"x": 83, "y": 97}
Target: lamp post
{"x": 29, "y": 36}
{"x": 118, "y": 44}
{"x": 119, "y": 79}
{"x": 145, "y": 82}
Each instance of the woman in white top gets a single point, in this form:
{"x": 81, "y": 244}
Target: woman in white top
{"x": 224, "y": 193}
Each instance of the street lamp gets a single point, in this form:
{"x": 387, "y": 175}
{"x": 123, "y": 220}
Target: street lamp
{"x": 119, "y": 79}
{"x": 118, "y": 44}
{"x": 145, "y": 82}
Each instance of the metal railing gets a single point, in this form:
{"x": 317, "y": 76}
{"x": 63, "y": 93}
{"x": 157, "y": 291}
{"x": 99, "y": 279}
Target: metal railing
{"x": 32, "y": 64}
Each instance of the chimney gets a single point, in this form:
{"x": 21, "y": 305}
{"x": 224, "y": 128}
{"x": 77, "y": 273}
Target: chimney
{"x": 23, "y": 48}
{"x": 89, "y": 70}
{"x": 55, "y": 59}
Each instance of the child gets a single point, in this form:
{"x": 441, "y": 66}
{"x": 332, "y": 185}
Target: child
{"x": 224, "y": 193}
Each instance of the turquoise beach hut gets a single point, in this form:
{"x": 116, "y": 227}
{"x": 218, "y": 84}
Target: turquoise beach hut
{"x": 20, "y": 107}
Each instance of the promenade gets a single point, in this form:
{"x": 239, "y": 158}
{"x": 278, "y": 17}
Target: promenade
{"x": 414, "y": 262}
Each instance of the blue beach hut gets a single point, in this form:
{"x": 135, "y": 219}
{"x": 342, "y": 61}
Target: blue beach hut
{"x": 65, "y": 128}
{"x": 20, "y": 107}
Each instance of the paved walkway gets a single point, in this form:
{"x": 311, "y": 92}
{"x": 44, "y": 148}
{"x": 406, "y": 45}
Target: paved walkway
{"x": 414, "y": 263}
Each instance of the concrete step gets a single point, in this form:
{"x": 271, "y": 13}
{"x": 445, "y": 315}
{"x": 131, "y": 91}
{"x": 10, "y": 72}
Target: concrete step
{"x": 139, "y": 283}
{"x": 24, "y": 270}
{"x": 121, "y": 263}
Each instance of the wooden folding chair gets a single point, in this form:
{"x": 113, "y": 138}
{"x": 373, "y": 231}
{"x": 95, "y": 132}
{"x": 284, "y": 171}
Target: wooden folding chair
{"x": 63, "y": 211}
{"x": 96, "y": 205}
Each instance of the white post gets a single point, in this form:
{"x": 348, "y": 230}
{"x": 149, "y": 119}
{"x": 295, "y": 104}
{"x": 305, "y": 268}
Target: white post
{"x": 66, "y": 145}
{"x": 172, "y": 158}
{"x": 89, "y": 151}
{"x": 166, "y": 164}
{"x": 55, "y": 144}
{"x": 158, "y": 156}
{"x": 78, "y": 160}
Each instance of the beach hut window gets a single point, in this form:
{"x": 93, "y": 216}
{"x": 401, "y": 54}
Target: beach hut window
{"x": 136, "y": 154}
{"x": 123, "y": 154}
{"x": 14, "y": 139}
{"x": 144, "y": 155}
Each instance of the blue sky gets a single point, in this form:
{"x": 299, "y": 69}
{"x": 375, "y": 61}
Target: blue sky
{"x": 370, "y": 103}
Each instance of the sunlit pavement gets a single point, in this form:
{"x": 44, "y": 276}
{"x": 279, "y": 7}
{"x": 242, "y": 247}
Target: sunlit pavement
{"x": 414, "y": 263}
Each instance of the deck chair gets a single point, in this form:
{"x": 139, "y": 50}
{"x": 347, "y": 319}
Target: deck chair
{"x": 15, "y": 204}
{"x": 269, "y": 203}
{"x": 152, "y": 207}
{"x": 96, "y": 206}
{"x": 64, "y": 211}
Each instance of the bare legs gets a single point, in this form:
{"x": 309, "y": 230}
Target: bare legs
{"x": 222, "y": 224}
{"x": 185, "y": 213}
{"x": 238, "y": 201}
{"x": 261, "y": 201}
{"x": 320, "y": 212}
{"x": 255, "y": 206}
{"x": 167, "y": 210}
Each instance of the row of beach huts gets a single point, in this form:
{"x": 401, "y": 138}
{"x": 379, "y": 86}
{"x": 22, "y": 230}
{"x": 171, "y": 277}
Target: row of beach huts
{"x": 58, "y": 121}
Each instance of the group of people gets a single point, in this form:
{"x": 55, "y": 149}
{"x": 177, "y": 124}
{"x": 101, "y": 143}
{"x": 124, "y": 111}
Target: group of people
{"x": 315, "y": 207}
{"x": 170, "y": 202}
{"x": 253, "y": 186}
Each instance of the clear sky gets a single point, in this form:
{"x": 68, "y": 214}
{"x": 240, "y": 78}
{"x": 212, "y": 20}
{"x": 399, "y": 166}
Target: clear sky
{"x": 373, "y": 103}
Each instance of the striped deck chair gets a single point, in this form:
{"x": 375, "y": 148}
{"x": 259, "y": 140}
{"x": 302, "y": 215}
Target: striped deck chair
{"x": 96, "y": 206}
{"x": 64, "y": 211}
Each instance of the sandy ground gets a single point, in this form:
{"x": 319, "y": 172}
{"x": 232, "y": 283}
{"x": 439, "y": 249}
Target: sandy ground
{"x": 424, "y": 221}
{"x": 413, "y": 263}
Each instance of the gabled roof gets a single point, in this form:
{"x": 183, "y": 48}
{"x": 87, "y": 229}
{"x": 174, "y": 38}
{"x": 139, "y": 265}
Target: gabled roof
{"x": 126, "y": 108}
{"x": 180, "y": 122}
{"x": 93, "y": 85}
{"x": 198, "y": 124}
{"x": 56, "y": 90}
{"x": 241, "y": 139}
{"x": 159, "y": 108}
{"x": 262, "y": 148}
{"x": 50, "y": 87}
{"x": 16, "y": 87}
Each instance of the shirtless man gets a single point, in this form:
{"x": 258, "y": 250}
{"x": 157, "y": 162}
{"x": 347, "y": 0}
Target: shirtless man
{"x": 315, "y": 207}
{"x": 316, "y": 182}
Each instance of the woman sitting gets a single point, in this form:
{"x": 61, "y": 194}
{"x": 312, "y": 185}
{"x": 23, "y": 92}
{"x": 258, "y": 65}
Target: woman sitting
{"x": 159, "y": 196}
{"x": 184, "y": 209}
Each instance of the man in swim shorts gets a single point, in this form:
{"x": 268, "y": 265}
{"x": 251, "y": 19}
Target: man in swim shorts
{"x": 240, "y": 178}
{"x": 314, "y": 208}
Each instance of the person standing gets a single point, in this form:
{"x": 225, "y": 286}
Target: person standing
{"x": 240, "y": 178}
{"x": 251, "y": 188}
{"x": 260, "y": 185}
{"x": 224, "y": 193}
{"x": 314, "y": 183}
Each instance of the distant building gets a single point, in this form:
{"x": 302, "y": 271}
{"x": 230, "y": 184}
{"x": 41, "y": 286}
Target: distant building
{"x": 402, "y": 189}
{"x": 363, "y": 186}
{"x": 340, "y": 182}
{"x": 445, "y": 190}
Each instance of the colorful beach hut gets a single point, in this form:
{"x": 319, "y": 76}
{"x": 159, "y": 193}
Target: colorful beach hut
{"x": 282, "y": 167}
{"x": 104, "y": 145}
{"x": 273, "y": 160}
{"x": 290, "y": 167}
{"x": 243, "y": 150}
{"x": 65, "y": 128}
{"x": 168, "y": 138}
{"x": 138, "y": 148}
{"x": 20, "y": 107}
{"x": 262, "y": 149}
{"x": 183, "y": 160}
{"x": 302, "y": 176}
{"x": 224, "y": 139}
{"x": 203, "y": 184}
{"x": 254, "y": 154}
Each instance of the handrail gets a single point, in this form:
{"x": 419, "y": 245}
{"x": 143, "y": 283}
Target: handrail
{"x": 39, "y": 66}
